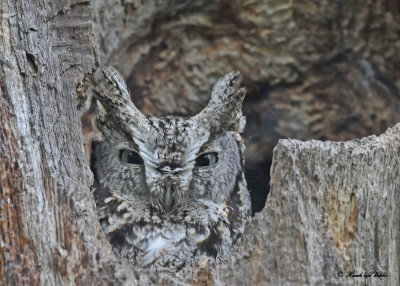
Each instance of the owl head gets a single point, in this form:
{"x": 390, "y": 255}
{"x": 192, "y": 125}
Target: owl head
{"x": 169, "y": 162}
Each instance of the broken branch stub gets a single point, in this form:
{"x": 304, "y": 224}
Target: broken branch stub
{"x": 333, "y": 209}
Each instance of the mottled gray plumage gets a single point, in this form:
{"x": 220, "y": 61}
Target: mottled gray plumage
{"x": 169, "y": 189}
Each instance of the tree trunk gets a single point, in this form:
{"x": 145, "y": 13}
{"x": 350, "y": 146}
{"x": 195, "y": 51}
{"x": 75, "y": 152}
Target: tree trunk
{"x": 49, "y": 231}
{"x": 333, "y": 209}
{"x": 332, "y": 205}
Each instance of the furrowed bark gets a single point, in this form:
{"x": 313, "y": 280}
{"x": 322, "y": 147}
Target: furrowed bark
{"x": 18, "y": 260}
{"x": 49, "y": 232}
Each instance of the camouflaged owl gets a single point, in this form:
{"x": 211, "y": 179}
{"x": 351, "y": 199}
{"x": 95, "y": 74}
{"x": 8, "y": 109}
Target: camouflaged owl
{"x": 169, "y": 189}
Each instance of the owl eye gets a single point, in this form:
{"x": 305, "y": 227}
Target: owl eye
{"x": 207, "y": 159}
{"x": 130, "y": 157}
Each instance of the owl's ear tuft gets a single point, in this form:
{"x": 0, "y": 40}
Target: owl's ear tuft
{"x": 112, "y": 86}
{"x": 224, "y": 111}
{"x": 115, "y": 101}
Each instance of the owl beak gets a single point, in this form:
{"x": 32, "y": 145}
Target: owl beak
{"x": 168, "y": 199}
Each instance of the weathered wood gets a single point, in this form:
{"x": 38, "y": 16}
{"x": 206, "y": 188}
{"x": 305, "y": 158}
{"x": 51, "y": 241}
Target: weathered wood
{"x": 49, "y": 233}
{"x": 18, "y": 261}
{"x": 333, "y": 208}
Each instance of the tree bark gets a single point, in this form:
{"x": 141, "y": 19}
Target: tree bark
{"x": 332, "y": 205}
{"x": 49, "y": 231}
{"x": 333, "y": 209}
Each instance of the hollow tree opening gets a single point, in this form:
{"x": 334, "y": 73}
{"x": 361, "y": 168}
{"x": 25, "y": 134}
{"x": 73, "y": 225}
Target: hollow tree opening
{"x": 305, "y": 78}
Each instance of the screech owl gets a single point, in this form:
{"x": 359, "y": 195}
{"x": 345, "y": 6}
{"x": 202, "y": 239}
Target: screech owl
{"x": 168, "y": 189}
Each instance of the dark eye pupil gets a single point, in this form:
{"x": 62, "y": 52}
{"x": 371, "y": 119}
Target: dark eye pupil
{"x": 207, "y": 159}
{"x": 130, "y": 157}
